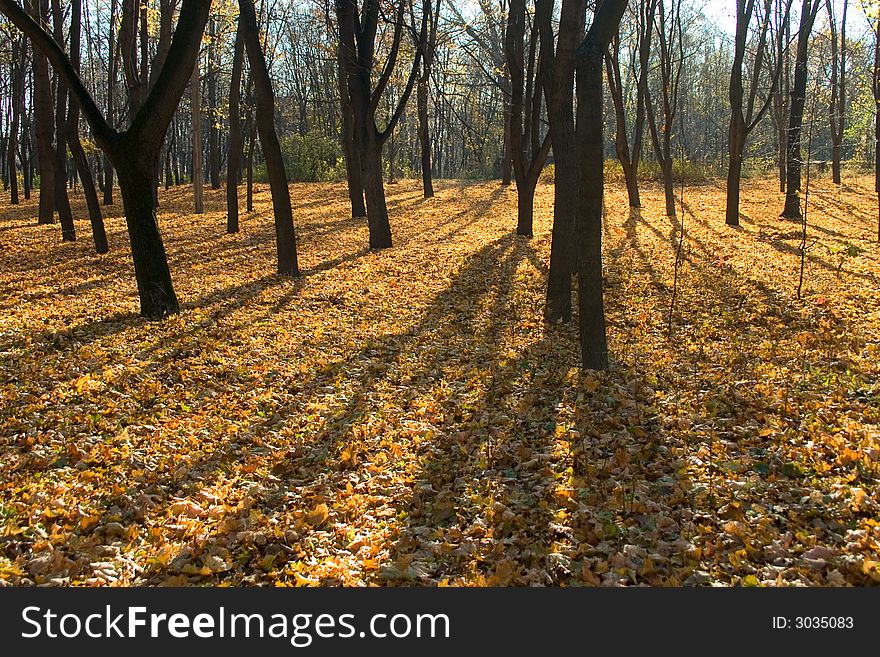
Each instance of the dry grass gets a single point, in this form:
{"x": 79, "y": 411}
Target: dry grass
{"x": 406, "y": 416}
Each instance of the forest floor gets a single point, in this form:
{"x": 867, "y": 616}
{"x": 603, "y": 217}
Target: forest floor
{"x": 406, "y": 417}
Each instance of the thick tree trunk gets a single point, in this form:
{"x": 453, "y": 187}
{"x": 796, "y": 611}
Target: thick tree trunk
{"x": 591, "y": 172}
{"x": 559, "y": 91}
{"x": 233, "y": 166}
{"x": 17, "y": 80}
{"x": 136, "y": 182}
{"x": 591, "y": 305}
{"x": 525, "y": 207}
{"x": 734, "y": 179}
{"x": 374, "y": 188}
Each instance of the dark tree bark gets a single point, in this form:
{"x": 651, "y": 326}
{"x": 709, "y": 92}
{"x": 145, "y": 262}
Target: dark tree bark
{"x": 197, "y": 154}
{"x": 99, "y": 235}
{"x": 112, "y": 64}
{"x": 17, "y": 80}
{"x": 528, "y": 152}
{"x": 837, "y": 102}
{"x": 422, "y": 99}
{"x": 628, "y": 155}
{"x": 590, "y": 143}
{"x": 747, "y": 110}
{"x": 62, "y": 201}
{"x": 792, "y": 208}
{"x": 233, "y": 166}
{"x": 213, "y": 114}
{"x": 135, "y": 151}
{"x": 357, "y": 35}
{"x": 559, "y": 92}
{"x": 354, "y": 176}
{"x": 265, "y": 97}
{"x": 43, "y": 121}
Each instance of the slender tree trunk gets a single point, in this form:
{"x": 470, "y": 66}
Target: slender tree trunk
{"x": 112, "y": 63}
{"x": 17, "y": 80}
{"x": 213, "y": 114}
{"x": 792, "y": 208}
{"x": 26, "y": 164}
{"x": 197, "y": 168}
{"x": 252, "y": 138}
{"x": 285, "y": 235}
{"x": 233, "y": 166}
{"x": 424, "y": 137}
{"x": 353, "y": 167}
{"x": 99, "y": 234}
{"x": 43, "y": 121}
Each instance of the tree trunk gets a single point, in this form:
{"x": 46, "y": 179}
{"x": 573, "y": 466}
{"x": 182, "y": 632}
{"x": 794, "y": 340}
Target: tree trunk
{"x": 213, "y": 114}
{"x": 252, "y": 138}
{"x": 525, "y": 207}
{"x": 43, "y": 122}
{"x": 99, "y": 234}
{"x": 197, "y": 168}
{"x": 233, "y": 166}
{"x": 136, "y": 183}
{"x": 591, "y": 305}
{"x": 559, "y": 91}
{"x": 285, "y": 235}
{"x": 111, "y": 100}
{"x": 26, "y": 164}
{"x": 353, "y": 167}
{"x": 374, "y": 188}
{"x": 17, "y": 80}
{"x": 591, "y": 172}
{"x": 424, "y": 137}
{"x": 734, "y": 180}
{"x": 792, "y": 208}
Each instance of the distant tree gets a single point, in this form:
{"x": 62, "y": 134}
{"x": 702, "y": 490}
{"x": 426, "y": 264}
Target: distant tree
{"x": 528, "y": 150}
{"x": 233, "y": 166}
{"x": 630, "y": 154}
{"x": 748, "y": 109}
{"x": 837, "y": 100}
{"x": 358, "y": 29}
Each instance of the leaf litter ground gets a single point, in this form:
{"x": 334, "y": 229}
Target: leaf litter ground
{"x": 407, "y": 418}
